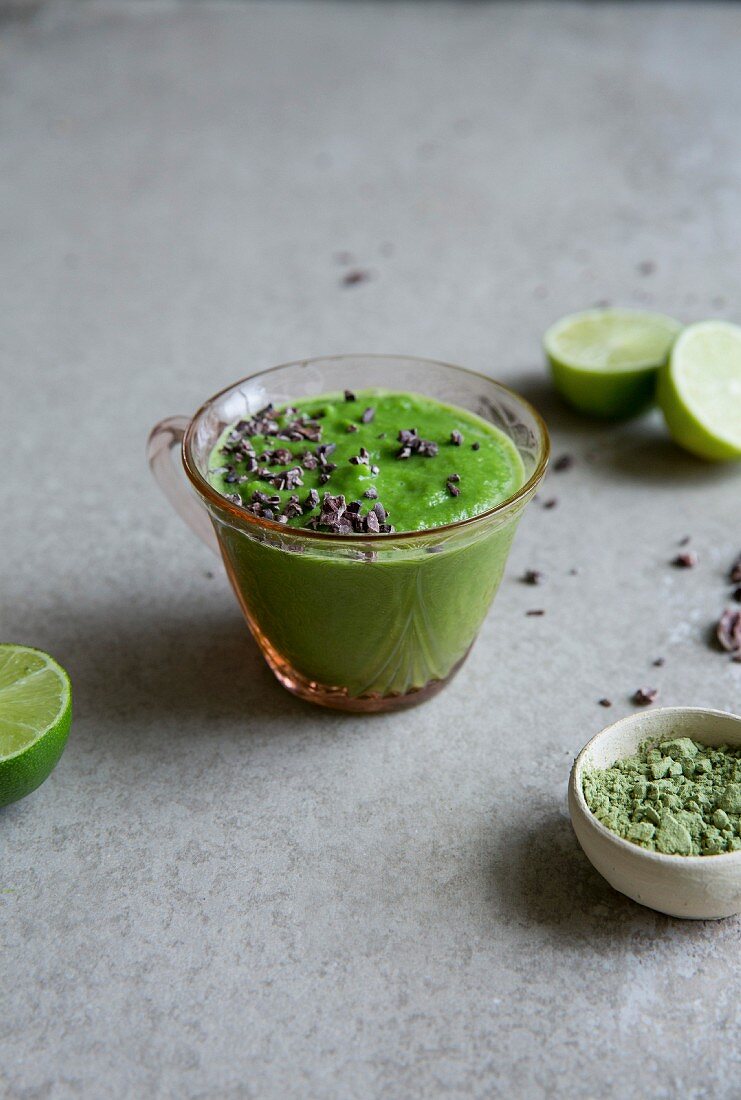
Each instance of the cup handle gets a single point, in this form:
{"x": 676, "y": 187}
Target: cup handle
{"x": 164, "y": 438}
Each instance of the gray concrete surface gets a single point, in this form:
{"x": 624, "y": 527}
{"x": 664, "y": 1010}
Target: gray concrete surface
{"x": 222, "y": 892}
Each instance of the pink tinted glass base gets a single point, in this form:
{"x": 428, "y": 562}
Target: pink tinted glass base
{"x": 336, "y": 698}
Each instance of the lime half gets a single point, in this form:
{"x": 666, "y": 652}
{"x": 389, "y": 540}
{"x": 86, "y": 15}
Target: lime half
{"x": 35, "y": 716}
{"x": 605, "y": 361}
{"x": 700, "y": 390}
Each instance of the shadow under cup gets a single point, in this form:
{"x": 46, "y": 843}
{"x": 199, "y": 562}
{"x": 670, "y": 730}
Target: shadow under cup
{"x": 359, "y": 623}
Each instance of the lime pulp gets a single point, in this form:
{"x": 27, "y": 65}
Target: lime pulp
{"x": 35, "y": 717}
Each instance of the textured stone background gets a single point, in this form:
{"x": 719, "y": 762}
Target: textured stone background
{"x": 222, "y": 892}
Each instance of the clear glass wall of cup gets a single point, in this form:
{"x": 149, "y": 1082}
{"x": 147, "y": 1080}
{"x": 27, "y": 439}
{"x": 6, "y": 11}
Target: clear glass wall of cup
{"x": 357, "y": 623}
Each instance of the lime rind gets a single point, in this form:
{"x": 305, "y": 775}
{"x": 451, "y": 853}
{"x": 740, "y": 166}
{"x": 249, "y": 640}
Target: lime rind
{"x": 605, "y": 362}
{"x": 700, "y": 390}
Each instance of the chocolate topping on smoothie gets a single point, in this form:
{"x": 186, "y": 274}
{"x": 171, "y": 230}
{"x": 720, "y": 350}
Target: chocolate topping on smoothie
{"x": 306, "y": 445}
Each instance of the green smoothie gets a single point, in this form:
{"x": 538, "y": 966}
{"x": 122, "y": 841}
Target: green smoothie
{"x": 381, "y": 621}
{"x": 428, "y": 464}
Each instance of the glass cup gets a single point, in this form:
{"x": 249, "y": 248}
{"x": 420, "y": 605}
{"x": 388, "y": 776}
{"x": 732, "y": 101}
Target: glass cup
{"x": 355, "y": 622}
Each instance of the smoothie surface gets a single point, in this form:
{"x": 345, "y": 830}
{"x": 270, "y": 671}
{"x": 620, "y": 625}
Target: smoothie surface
{"x": 365, "y": 462}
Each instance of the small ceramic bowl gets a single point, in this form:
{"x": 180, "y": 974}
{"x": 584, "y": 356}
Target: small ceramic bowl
{"x": 695, "y": 887}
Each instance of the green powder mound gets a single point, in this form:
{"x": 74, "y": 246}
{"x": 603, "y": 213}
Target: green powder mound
{"x": 678, "y": 797}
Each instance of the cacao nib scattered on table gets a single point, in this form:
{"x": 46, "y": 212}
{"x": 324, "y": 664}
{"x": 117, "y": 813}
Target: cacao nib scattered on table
{"x": 644, "y": 696}
{"x": 728, "y": 631}
{"x": 564, "y": 462}
{"x": 352, "y": 278}
{"x": 536, "y": 611}
{"x": 531, "y": 576}
{"x": 605, "y": 702}
{"x": 686, "y": 560}
{"x": 735, "y": 572}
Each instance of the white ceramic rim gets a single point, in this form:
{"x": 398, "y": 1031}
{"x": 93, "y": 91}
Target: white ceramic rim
{"x": 627, "y": 845}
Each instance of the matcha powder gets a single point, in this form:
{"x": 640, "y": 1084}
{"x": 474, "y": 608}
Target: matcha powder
{"x": 678, "y": 797}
